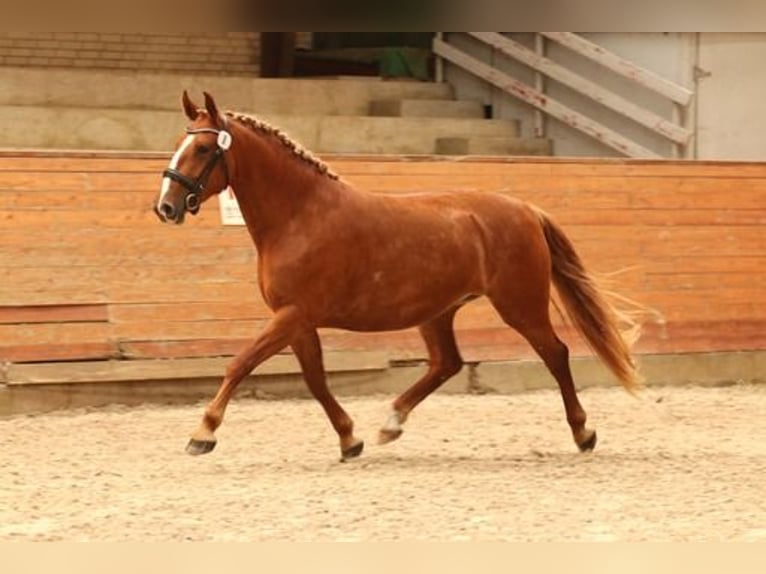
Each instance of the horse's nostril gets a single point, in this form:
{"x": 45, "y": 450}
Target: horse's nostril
{"x": 167, "y": 210}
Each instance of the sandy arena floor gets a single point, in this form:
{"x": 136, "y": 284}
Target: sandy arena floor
{"x": 689, "y": 467}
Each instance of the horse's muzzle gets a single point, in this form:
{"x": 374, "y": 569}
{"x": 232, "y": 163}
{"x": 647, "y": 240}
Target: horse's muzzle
{"x": 167, "y": 213}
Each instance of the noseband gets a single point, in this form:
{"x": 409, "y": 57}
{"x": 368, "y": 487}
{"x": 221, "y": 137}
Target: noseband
{"x": 195, "y": 187}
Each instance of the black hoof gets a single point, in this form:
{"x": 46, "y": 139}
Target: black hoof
{"x": 589, "y": 444}
{"x": 352, "y": 452}
{"x": 196, "y": 447}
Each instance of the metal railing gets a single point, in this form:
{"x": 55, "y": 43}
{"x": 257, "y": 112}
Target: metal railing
{"x": 672, "y": 130}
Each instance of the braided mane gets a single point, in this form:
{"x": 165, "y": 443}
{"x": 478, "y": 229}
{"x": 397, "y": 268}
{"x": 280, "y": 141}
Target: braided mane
{"x": 294, "y": 147}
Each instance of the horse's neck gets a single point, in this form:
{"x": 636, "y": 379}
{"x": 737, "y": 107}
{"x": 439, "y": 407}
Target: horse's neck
{"x": 274, "y": 187}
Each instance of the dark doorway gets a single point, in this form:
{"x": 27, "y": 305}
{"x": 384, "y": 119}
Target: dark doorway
{"x": 387, "y": 54}
{"x": 277, "y": 54}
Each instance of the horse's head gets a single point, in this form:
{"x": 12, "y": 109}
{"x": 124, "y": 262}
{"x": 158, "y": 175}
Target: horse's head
{"x": 199, "y": 167}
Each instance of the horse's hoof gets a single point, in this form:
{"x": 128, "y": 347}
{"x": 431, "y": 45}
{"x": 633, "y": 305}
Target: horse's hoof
{"x": 386, "y": 436}
{"x": 589, "y": 443}
{"x": 352, "y": 452}
{"x": 196, "y": 447}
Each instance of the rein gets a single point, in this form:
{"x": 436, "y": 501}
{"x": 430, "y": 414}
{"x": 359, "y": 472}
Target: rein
{"x": 195, "y": 187}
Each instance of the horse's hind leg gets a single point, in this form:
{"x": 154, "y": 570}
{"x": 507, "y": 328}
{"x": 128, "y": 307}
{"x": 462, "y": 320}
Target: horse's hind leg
{"x": 528, "y": 314}
{"x": 308, "y": 350}
{"x": 444, "y": 362}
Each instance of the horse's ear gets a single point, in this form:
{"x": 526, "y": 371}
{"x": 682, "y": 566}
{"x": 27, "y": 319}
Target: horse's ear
{"x": 190, "y": 109}
{"x": 212, "y": 109}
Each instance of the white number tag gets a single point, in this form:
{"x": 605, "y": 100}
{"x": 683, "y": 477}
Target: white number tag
{"x": 224, "y": 140}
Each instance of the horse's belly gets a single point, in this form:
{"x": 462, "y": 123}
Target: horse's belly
{"x": 387, "y": 319}
{"x": 399, "y": 307}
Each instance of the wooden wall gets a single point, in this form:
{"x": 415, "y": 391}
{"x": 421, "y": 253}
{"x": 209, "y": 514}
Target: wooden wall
{"x": 87, "y": 272}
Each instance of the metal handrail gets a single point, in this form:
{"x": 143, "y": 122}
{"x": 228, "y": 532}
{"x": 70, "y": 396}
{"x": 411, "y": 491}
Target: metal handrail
{"x": 675, "y": 133}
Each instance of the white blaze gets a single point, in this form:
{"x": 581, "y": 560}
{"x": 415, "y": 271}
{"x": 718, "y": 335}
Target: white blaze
{"x": 173, "y": 165}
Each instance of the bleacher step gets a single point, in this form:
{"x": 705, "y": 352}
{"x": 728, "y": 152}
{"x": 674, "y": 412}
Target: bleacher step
{"x": 494, "y": 146}
{"x": 418, "y": 108}
{"x": 146, "y": 91}
{"x": 151, "y": 130}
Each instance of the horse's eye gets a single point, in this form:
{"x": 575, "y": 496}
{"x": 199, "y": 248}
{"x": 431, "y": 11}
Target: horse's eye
{"x": 202, "y": 149}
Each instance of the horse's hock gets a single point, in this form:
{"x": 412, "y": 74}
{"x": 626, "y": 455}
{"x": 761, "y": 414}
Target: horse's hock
{"x": 100, "y": 304}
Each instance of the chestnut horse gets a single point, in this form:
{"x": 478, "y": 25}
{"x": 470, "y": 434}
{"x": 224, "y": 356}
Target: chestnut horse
{"x": 330, "y": 255}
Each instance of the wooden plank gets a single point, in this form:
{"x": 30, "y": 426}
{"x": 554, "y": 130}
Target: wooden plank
{"x": 669, "y": 305}
{"x": 173, "y": 349}
{"x": 422, "y": 164}
{"x": 515, "y": 185}
{"x": 567, "y": 167}
{"x": 253, "y": 308}
{"x": 702, "y": 240}
{"x": 592, "y": 90}
{"x": 138, "y": 194}
{"x": 665, "y": 217}
{"x": 67, "y": 296}
{"x": 54, "y": 333}
{"x": 119, "y": 371}
{"x": 205, "y": 292}
{"x": 676, "y": 205}
{"x": 682, "y": 281}
{"x": 134, "y": 217}
{"x": 670, "y": 265}
{"x": 181, "y": 276}
{"x": 76, "y": 154}
{"x": 157, "y": 370}
{"x": 542, "y": 102}
{"x": 67, "y": 256}
{"x": 73, "y": 200}
{"x": 32, "y": 353}
{"x": 232, "y": 278}
{"x": 53, "y": 314}
{"x": 621, "y": 66}
{"x": 503, "y": 342}
{"x": 89, "y": 293}
{"x": 724, "y": 194}
{"x": 115, "y": 246}
{"x": 180, "y": 330}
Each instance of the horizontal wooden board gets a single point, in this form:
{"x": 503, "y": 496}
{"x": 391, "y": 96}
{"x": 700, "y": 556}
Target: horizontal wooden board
{"x": 177, "y": 330}
{"x": 485, "y": 341}
{"x": 58, "y": 333}
{"x": 529, "y": 185}
{"x": 254, "y": 308}
{"x": 174, "y": 349}
{"x": 572, "y": 210}
{"x": 53, "y": 314}
{"x": 523, "y": 166}
{"x": 153, "y": 370}
{"x": 44, "y": 352}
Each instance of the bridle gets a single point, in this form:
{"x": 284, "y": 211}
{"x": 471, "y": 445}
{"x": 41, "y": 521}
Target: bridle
{"x": 195, "y": 187}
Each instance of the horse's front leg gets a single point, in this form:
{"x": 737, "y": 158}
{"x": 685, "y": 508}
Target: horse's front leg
{"x": 278, "y": 333}
{"x": 308, "y": 350}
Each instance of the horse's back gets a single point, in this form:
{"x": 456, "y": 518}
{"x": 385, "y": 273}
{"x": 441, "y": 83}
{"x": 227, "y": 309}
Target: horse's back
{"x": 501, "y": 222}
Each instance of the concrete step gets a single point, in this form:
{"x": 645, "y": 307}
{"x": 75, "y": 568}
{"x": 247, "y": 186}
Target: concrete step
{"x": 494, "y": 146}
{"x": 427, "y": 108}
{"x": 113, "y": 89}
{"x": 120, "y": 129}
{"x": 403, "y": 135}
